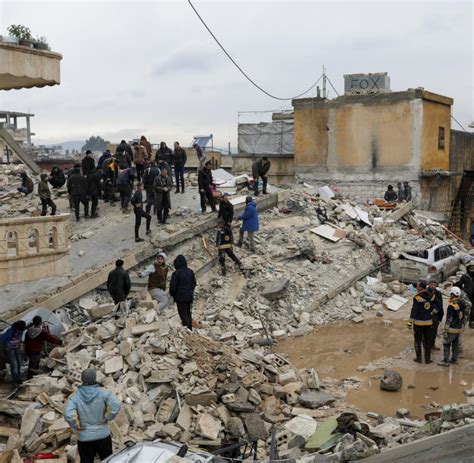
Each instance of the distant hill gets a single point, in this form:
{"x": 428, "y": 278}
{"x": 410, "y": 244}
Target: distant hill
{"x": 72, "y": 145}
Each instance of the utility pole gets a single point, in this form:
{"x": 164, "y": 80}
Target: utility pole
{"x": 324, "y": 82}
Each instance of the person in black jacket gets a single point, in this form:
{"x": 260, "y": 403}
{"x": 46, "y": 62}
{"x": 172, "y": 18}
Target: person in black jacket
{"x": 421, "y": 321}
{"x": 466, "y": 283}
{"x": 225, "y": 245}
{"x": 93, "y": 190}
{"x": 390, "y": 195}
{"x": 137, "y": 203}
{"x": 205, "y": 184}
{"x": 77, "y": 189}
{"x": 226, "y": 209}
{"x": 118, "y": 283}
{"x": 164, "y": 153}
{"x": 56, "y": 177}
{"x": 437, "y": 313}
{"x": 179, "y": 160}
{"x": 260, "y": 169}
{"x": 88, "y": 163}
{"x": 124, "y": 147}
{"x": 26, "y": 184}
{"x": 182, "y": 285}
{"x": 151, "y": 172}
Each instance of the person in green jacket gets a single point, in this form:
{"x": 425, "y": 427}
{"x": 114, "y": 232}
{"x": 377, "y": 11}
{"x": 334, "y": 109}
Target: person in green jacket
{"x": 45, "y": 195}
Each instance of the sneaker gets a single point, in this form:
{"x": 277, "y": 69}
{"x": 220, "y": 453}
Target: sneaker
{"x": 417, "y": 360}
{"x": 443, "y": 363}
{"x": 139, "y": 240}
{"x": 177, "y": 191}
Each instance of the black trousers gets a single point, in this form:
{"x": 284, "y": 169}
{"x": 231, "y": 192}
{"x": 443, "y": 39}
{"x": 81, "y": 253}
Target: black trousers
{"x": 150, "y": 199}
{"x": 125, "y": 195}
{"x": 184, "y": 311}
{"x": 163, "y": 210}
{"x": 45, "y": 202}
{"x": 88, "y": 450}
{"x": 207, "y": 194}
{"x": 230, "y": 253}
{"x": 434, "y": 331}
{"x": 139, "y": 213}
{"x": 118, "y": 297}
{"x": 94, "y": 203}
{"x": 422, "y": 334}
{"x": 109, "y": 192}
{"x": 179, "y": 175}
{"x": 140, "y": 168}
{"x": 33, "y": 362}
{"x": 77, "y": 200}
{"x": 264, "y": 182}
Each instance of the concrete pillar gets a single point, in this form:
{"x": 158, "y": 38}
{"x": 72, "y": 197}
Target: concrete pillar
{"x": 28, "y": 131}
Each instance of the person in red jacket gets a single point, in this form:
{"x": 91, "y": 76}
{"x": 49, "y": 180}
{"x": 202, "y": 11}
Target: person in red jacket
{"x": 36, "y": 336}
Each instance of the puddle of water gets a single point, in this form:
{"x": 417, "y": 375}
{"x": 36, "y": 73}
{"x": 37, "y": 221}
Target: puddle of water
{"x": 338, "y": 350}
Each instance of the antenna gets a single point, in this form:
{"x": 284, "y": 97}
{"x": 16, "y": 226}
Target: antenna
{"x": 324, "y": 81}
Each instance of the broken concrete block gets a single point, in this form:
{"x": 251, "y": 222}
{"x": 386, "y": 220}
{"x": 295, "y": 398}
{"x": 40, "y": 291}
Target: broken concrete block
{"x": 113, "y": 364}
{"x": 235, "y": 427}
{"x": 228, "y": 398}
{"x": 171, "y": 430}
{"x": 223, "y": 413}
{"x": 208, "y": 426}
{"x": 140, "y": 329}
{"x": 101, "y": 310}
{"x": 184, "y": 417}
{"x": 254, "y": 397}
{"x": 166, "y": 411}
{"x": 29, "y": 422}
{"x": 274, "y": 289}
{"x": 87, "y": 303}
{"x": 315, "y": 399}
{"x": 125, "y": 348}
{"x": 255, "y": 426}
{"x": 386, "y": 429}
{"x": 278, "y": 334}
{"x": 288, "y": 377}
{"x": 133, "y": 359}
{"x": 313, "y": 379}
{"x": 205, "y": 398}
{"x": 304, "y": 426}
{"x": 189, "y": 368}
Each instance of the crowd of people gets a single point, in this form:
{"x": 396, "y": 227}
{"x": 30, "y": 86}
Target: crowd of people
{"x": 403, "y": 193}
{"x": 427, "y": 313}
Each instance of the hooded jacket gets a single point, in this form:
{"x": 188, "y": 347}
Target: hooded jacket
{"x": 147, "y": 145}
{"x": 390, "y": 196}
{"x": 103, "y": 157}
{"x": 77, "y": 183}
{"x": 421, "y": 309}
{"x": 87, "y": 407}
{"x": 88, "y": 164}
{"x": 182, "y": 282}
{"x": 35, "y": 339}
{"x": 249, "y": 218}
{"x": 57, "y": 178}
{"x": 26, "y": 182}
{"x": 139, "y": 154}
{"x": 11, "y": 339}
{"x": 124, "y": 147}
{"x": 259, "y": 169}
{"x": 226, "y": 211}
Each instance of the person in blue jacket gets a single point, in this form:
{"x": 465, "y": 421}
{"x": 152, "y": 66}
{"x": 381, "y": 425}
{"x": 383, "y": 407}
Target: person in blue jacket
{"x": 249, "y": 222}
{"x": 11, "y": 341}
{"x": 88, "y": 412}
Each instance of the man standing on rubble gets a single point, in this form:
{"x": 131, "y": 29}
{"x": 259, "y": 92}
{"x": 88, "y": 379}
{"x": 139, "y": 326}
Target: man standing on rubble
{"x": 26, "y": 184}
{"x": 125, "y": 185}
{"x": 406, "y": 192}
{"x": 12, "y": 346}
{"x": 249, "y": 223}
{"x": 453, "y": 328}
{"x": 201, "y": 156}
{"x": 182, "y": 285}
{"x": 77, "y": 189}
{"x": 88, "y": 163}
{"x": 45, "y": 196}
{"x": 179, "y": 161}
{"x": 437, "y": 312}
{"x": 36, "y": 336}
{"x": 93, "y": 189}
{"x": 118, "y": 283}
{"x": 205, "y": 187}
{"x": 466, "y": 283}
{"x": 390, "y": 195}
{"x": 162, "y": 187}
{"x": 137, "y": 203}
{"x": 420, "y": 320}
{"x": 225, "y": 244}
{"x": 260, "y": 169}
{"x": 88, "y": 412}
{"x": 157, "y": 274}
{"x": 400, "y": 192}
{"x": 151, "y": 172}
{"x": 139, "y": 158}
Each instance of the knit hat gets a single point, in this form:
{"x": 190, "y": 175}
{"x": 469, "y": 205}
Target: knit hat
{"x": 162, "y": 254}
{"x": 89, "y": 377}
{"x": 248, "y": 199}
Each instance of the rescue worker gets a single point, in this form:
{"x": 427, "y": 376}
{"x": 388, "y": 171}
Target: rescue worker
{"x": 118, "y": 283}
{"x": 179, "y": 161}
{"x": 260, "y": 169}
{"x": 140, "y": 156}
{"x": 151, "y": 172}
{"x": 421, "y": 321}
{"x": 137, "y": 203}
{"x": 182, "y": 285}
{"x": 88, "y": 412}
{"x": 390, "y": 195}
{"x": 77, "y": 189}
{"x": 205, "y": 187}
{"x": 225, "y": 244}
{"x": 452, "y": 328}
{"x": 249, "y": 223}
{"x": 157, "y": 274}
{"x": 162, "y": 187}
{"x": 466, "y": 283}
{"x": 45, "y": 196}
{"x": 437, "y": 312}
{"x": 466, "y": 306}
{"x": 36, "y": 336}
{"x": 226, "y": 209}
{"x": 26, "y": 184}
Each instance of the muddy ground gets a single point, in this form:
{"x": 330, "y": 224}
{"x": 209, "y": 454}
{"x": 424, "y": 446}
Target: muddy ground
{"x": 360, "y": 352}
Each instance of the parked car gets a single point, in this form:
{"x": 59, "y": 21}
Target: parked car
{"x": 438, "y": 262}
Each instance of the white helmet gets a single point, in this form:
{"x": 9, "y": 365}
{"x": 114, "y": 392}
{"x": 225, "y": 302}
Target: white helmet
{"x": 455, "y": 291}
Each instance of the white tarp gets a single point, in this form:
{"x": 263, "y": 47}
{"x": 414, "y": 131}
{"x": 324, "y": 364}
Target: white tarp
{"x": 266, "y": 138}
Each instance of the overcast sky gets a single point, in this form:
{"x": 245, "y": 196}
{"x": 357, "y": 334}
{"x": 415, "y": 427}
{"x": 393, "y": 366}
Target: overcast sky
{"x": 132, "y": 68}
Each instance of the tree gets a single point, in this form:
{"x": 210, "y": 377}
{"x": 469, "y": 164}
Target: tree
{"x": 95, "y": 144}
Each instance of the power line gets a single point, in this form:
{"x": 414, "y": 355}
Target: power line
{"x": 334, "y": 88}
{"x": 458, "y": 123}
{"x": 241, "y": 70}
